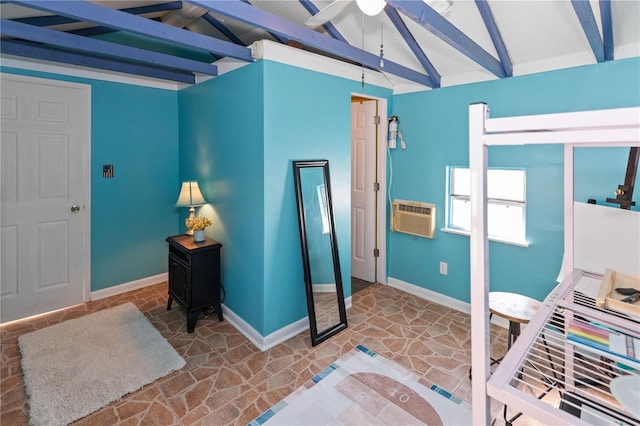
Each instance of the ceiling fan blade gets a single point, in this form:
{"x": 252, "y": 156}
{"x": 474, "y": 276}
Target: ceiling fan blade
{"x": 441, "y": 6}
{"x": 327, "y": 13}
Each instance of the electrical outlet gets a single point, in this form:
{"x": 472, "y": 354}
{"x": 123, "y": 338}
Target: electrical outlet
{"x": 443, "y": 268}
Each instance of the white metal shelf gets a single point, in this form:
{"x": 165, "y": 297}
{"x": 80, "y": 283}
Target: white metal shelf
{"x": 543, "y": 362}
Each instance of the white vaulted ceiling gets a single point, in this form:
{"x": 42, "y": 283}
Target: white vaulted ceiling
{"x": 474, "y": 40}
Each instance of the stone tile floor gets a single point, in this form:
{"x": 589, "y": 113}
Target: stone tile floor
{"x": 227, "y": 381}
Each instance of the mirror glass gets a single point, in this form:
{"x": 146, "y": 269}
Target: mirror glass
{"x": 321, "y": 265}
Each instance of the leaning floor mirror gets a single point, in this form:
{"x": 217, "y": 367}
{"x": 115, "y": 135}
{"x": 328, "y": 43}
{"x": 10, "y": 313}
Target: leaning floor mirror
{"x": 320, "y": 262}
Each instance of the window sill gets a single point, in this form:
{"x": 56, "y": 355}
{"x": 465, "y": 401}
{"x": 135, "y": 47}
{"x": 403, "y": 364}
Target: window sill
{"x": 519, "y": 243}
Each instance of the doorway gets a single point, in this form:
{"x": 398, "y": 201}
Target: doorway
{"x": 45, "y": 192}
{"x": 368, "y": 186}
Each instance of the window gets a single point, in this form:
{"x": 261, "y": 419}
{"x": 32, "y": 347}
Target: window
{"x": 506, "y": 210}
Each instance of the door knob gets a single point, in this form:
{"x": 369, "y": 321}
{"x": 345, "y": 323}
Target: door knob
{"x": 75, "y": 208}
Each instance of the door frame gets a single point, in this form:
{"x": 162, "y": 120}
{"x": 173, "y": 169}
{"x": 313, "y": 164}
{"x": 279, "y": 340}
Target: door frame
{"x": 381, "y": 178}
{"x": 85, "y": 91}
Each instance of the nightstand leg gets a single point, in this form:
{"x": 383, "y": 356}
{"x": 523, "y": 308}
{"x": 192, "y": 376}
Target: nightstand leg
{"x": 169, "y": 303}
{"x": 192, "y": 317}
{"x": 218, "y": 310}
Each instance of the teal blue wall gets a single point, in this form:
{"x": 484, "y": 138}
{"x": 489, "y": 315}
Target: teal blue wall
{"x": 136, "y": 129}
{"x": 435, "y": 128}
{"x": 221, "y": 146}
{"x": 307, "y": 117}
{"x": 239, "y": 134}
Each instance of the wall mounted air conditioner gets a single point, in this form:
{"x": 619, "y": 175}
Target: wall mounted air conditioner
{"x": 413, "y": 217}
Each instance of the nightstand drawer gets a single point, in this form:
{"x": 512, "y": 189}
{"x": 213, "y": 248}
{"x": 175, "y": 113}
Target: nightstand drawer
{"x": 180, "y": 255}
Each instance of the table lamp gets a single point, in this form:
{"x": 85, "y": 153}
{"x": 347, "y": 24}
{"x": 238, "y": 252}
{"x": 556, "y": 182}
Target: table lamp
{"x": 190, "y": 196}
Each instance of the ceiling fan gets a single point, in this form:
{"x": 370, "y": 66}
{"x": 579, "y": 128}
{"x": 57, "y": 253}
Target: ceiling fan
{"x": 327, "y": 13}
{"x": 368, "y": 7}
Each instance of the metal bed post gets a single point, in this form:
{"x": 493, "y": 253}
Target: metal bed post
{"x": 479, "y": 249}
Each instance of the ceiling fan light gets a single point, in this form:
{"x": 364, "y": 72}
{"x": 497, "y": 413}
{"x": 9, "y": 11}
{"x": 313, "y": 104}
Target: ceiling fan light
{"x": 371, "y": 7}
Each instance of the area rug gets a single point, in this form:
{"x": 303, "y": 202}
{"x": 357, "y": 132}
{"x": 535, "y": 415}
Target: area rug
{"x": 364, "y": 388}
{"x": 76, "y": 367}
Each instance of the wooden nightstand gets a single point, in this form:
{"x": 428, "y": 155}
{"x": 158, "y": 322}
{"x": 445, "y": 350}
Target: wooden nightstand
{"x": 194, "y": 276}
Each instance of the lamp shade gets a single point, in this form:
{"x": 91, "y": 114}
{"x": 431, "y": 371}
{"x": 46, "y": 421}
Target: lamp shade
{"x": 190, "y": 195}
{"x": 371, "y": 7}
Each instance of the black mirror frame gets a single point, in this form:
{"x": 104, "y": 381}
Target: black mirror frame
{"x": 316, "y": 337}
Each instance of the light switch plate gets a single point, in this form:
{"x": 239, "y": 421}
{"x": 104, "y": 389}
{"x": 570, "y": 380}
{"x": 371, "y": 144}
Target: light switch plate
{"x": 107, "y": 170}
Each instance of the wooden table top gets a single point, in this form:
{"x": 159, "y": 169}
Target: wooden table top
{"x": 513, "y": 307}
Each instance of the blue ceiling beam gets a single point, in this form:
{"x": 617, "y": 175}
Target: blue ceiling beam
{"x": 590, "y": 27}
{"x": 100, "y": 47}
{"x": 282, "y": 40}
{"x": 328, "y": 26}
{"x": 433, "y": 22}
{"x": 222, "y": 28}
{"x": 496, "y": 37}
{"x": 32, "y": 50}
{"x": 607, "y": 29}
{"x": 397, "y": 21}
{"x": 93, "y": 31}
{"x": 243, "y": 12}
{"x": 50, "y": 20}
{"x": 85, "y": 11}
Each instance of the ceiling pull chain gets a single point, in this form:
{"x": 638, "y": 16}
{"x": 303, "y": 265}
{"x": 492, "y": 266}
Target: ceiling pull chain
{"x": 381, "y": 46}
{"x": 362, "y": 62}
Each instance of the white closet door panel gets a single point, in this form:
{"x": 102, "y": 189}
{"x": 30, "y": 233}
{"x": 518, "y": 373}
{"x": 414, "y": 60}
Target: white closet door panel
{"x": 45, "y": 129}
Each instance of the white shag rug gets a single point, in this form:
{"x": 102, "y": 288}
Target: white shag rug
{"x": 76, "y": 367}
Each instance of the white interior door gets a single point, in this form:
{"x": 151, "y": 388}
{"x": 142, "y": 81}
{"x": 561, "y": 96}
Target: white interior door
{"x": 45, "y": 215}
{"x": 363, "y": 198}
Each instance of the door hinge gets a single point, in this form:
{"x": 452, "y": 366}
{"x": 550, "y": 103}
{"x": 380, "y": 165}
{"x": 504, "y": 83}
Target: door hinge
{"x": 376, "y": 186}
{"x": 376, "y": 119}
{"x": 376, "y": 252}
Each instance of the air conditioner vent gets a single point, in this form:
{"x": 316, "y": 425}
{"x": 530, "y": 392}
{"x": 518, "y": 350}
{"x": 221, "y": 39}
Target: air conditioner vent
{"x": 413, "y": 217}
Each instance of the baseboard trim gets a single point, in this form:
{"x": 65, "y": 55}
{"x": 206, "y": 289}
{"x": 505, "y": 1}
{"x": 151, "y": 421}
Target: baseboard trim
{"x": 261, "y": 342}
{"x": 440, "y": 299}
{"x": 131, "y": 285}
{"x": 264, "y": 343}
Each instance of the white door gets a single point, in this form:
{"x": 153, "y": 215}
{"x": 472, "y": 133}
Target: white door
{"x": 45, "y": 159}
{"x": 363, "y": 199}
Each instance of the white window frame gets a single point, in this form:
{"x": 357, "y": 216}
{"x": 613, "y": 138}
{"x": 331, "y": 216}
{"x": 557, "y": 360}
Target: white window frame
{"x": 515, "y": 239}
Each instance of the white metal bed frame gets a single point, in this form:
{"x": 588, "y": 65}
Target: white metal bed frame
{"x": 610, "y": 127}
